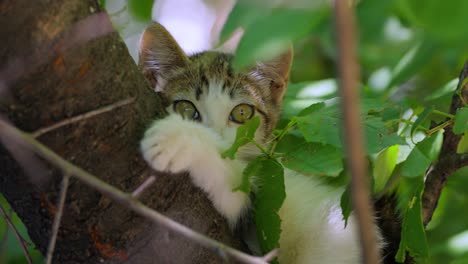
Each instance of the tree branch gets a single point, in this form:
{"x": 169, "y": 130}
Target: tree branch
{"x": 126, "y": 199}
{"x": 353, "y": 137}
{"x": 449, "y": 160}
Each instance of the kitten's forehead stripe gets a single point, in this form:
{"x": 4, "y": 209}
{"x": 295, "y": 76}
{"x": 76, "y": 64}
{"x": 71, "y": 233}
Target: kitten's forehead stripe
{"x": 198, "y": 93}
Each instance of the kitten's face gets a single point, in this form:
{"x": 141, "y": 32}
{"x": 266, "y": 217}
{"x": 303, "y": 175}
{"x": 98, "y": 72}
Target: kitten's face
{"x": 205, "y": 88}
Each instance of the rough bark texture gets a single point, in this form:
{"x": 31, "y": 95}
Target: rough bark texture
{"x": 449, "y": 160}
{"x": 67, "y": 82}
{"x": 436, "y": 179}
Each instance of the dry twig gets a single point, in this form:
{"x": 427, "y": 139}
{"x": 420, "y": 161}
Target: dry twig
{"x": 81, "y": 117}
{"x": 349, "y": 76}
{"x": 57, "y": 218}
{"x": 147, "y": 183}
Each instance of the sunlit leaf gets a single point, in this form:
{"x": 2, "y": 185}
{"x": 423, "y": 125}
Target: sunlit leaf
{"x": 422, "y": 155}
{"x": 384, "y": 166}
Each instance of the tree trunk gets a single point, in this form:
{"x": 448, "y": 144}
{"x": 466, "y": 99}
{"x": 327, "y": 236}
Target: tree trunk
{"x": 48, "y": 75}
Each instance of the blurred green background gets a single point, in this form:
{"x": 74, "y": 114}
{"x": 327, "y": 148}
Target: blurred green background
{"x": 410, "y": 52}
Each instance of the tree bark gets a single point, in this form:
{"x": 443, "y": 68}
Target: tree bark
{"x": 47, "y": 75}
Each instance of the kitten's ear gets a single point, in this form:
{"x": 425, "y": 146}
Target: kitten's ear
{"x": 159, "y": 54}
{"x": 275, "y": 74}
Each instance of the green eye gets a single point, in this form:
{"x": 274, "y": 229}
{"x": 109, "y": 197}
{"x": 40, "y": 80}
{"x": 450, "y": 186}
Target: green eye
{"x": 241, "y": 113}
{"x": 186, "y": 109}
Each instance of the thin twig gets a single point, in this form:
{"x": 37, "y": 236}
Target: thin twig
{"x": 4, "y": 241}
{"x": 20, "y": 239}
{"x": 81, "y": 117}
{"x": 349, "y": 76}
{"x": 124, "y": 198}
{"x": 147, "y": 183}
{"x": 271, "y": 255}
{"x": 57, "y": 218}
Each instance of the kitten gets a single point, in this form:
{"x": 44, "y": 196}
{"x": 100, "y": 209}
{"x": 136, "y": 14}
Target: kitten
{"x": 208, "y": 102}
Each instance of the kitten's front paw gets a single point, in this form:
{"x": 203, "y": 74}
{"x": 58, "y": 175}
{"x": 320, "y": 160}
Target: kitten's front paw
{"x": 166, "y": 148}
{"x": 172, "y": 144}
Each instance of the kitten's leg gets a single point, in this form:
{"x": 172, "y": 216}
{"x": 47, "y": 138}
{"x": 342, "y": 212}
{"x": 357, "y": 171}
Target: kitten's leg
{"x": 175, "y": 145}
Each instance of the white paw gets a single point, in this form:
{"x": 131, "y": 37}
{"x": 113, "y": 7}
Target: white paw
{"x": 173, "y": 144}
{"x": 165, "y": 149}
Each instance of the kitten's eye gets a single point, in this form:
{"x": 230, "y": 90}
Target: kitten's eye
{"x": 187, "y": 110}
{"x": 241, "y": 113}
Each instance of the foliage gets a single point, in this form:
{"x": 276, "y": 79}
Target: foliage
{"x": 10, "y": 250}
{"x": 410, "y": 55}
{"x": 402, "y": 46}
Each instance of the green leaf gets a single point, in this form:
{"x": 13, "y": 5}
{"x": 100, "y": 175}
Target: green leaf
{"x": 311, "y": 109}
{"x": 312, "y": 158}
{"x": 242, "y": 15}
{"x": 322, "y": 125}
{"x": 140, "y": 9}
{"x": 346, "y": 204}
{"x": 451, "y": 29}
{"x": 462, "y": 146}
{"x": 289, "y": 143}
{"x": 268, "y": 201}
{"x": 253, "y": 168}
{"x": 272, "y": 34}
{"x": 379, "y": 136}
{"x": 372, "y": 105}
{"x": 461, "y": 121}
{"x": 422, "y": 155}
{"x": 384, "y": 166}
{"x": 413, "y": 236}
{"x": 371, "y": 17}
{"x": 411, "y": 62}
{"x": 421, "y": 118}
{"x": 445, "y": 90}
{"x": 245, "y": 134}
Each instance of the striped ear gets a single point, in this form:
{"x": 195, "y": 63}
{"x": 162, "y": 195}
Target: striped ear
{"x": 274, "y": 74}
{"x": 159, "y": 55}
